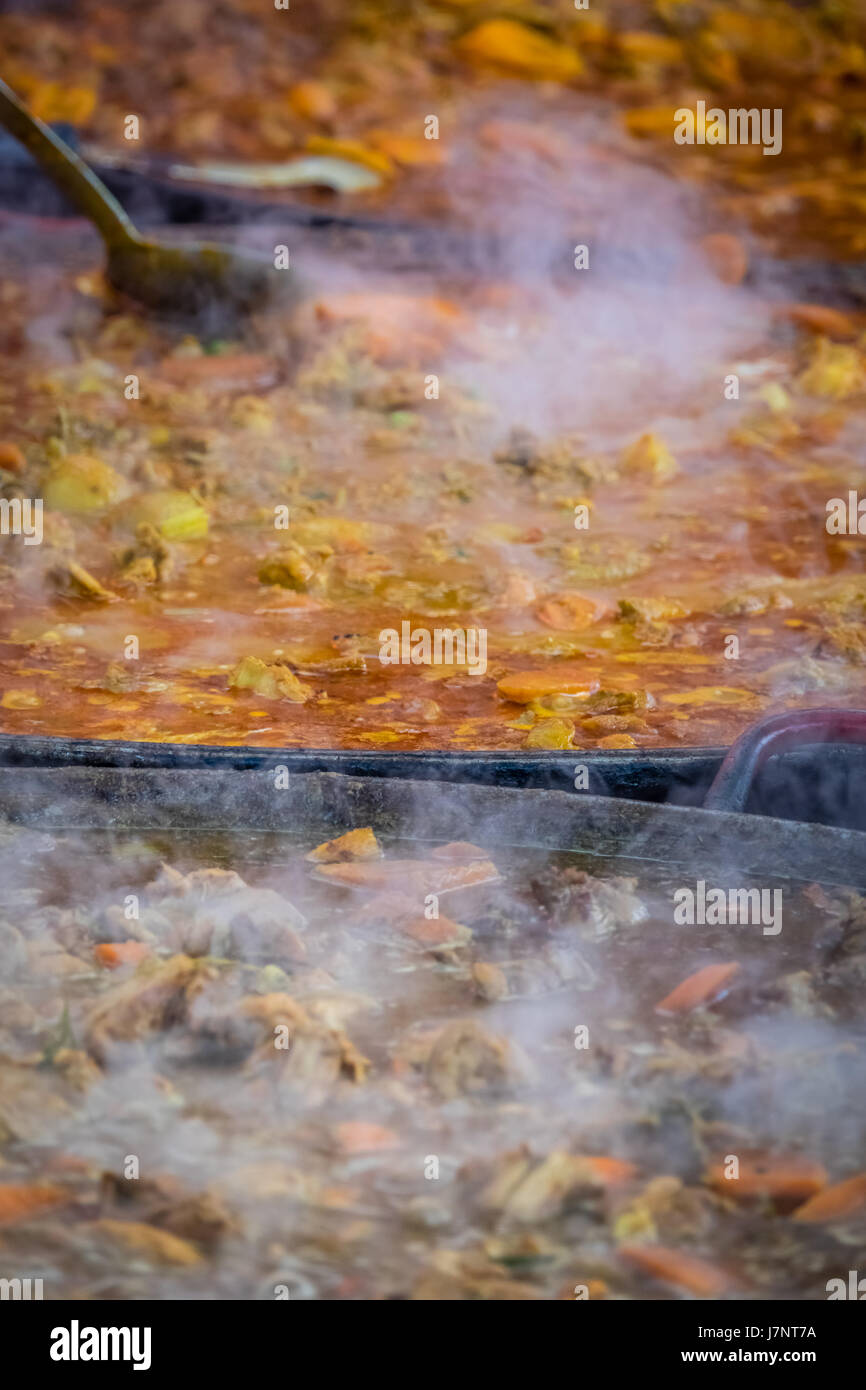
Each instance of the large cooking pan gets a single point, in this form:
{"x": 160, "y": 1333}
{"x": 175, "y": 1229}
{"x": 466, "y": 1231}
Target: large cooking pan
{"x": 804, "y": 765}
{"x": 796, "y": 783}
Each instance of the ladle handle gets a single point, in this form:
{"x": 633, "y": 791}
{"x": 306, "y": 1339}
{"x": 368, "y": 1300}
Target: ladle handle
{"x": 798, "y": 728}
{"x": 67, "y": 170}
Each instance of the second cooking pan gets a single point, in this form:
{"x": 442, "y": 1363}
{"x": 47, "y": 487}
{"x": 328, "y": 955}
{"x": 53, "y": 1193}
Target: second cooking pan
{"x": 264, "y": 1154}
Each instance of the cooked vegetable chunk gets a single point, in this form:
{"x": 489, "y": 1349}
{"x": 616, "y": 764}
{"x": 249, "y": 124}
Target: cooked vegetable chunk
{"x": 271, "y": 682}
{"x": 354, "y": 845}
{"x": 175, "y": 515}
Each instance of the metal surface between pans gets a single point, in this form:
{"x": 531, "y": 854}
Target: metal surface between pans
{"x": 327, "y": 804}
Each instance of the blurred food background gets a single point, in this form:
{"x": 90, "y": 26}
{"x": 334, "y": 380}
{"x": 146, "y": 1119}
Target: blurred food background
{"x": 241, "y": 80}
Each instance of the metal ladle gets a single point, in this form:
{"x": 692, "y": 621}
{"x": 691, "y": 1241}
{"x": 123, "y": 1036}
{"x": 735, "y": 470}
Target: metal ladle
{"x": 199, "y": 281}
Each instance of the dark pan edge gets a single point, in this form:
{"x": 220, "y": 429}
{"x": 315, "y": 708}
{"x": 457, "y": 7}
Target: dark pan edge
{"x": 684, "y": 773}
{"x": 700, "y": 841}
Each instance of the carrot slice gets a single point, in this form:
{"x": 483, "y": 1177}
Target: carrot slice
{"x": 675, "y": 1267}
{"x": 113, "y": 954}
{"x": 523, "y": 686}
{"x": 19, "y": 1200}
{"x": 787, "y": 1179}
{"x": 11, "y": 457}
{"x": 610, "y": 1172}
{"x": 818, "y": 318}
{"x": 836, "y": 1202}
{"x": 703, "y": 987}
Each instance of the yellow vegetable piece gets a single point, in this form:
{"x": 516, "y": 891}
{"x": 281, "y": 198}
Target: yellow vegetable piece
{"x": 759, "y": 36}
{"x": 341, "y": 532}
{"x": 505, "y": 43}
{"x": 650, "y": 120}
{"x": 353, "y": 150}
{"x": 407, "y": 149}
{"x": 175, "y": 514}
{"x": 272, "y": 682}
{"x": 290, "y": 570}
{"x": 82, "y": 582}
{"x": 313, "y": 101}
{"x": 775, "y": 397}
{"x": 80, "y": 483}
{"x": 836, "y": 371}
{"x": 55, "y": 101}
{"x": 252, "y": 413}
{"x": 551, "y": 733}
{"x": 20, "y": 699}
{"x": 678, "y": 657}
{"x": 649, "y": 454}
{"x": 651, "y": 609}
{"x": 712, "y": 695}
{"x": 651, "y": 48}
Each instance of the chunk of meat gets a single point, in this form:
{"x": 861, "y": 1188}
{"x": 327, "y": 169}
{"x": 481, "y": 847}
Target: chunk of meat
{"x": 527, "y": 1191}
{"x": 213, "y": 911}
{"x": 32, "y": 1105}
{"x": 311, "y": 1052}
{"x": 203, "y": 883}
{"x": 259, "y": 925}
{"x": 530, "y": 976}
{"x": 157, "y": 997}
{"x": 199, "y": 1217}
{"x": 466, "y": 1060}
{"x": 597, "y": 906}
{"x": 144, "y": 1242}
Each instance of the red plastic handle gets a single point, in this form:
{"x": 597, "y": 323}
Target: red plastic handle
{"x": 796, "y": 729}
